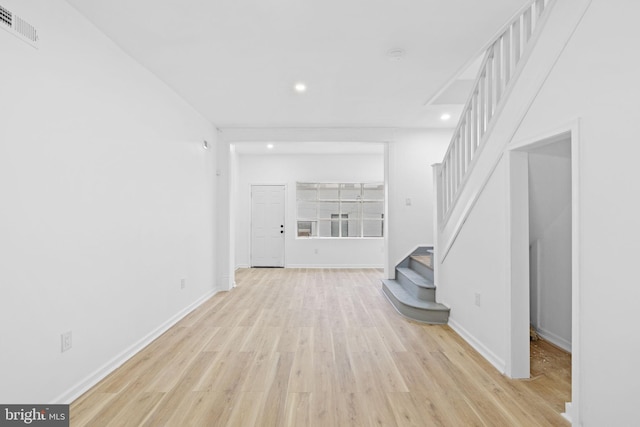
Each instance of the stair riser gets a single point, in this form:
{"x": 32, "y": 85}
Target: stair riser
{"x": 422, "y": 269}
{"x": 426, "y": 316}
{"x": 417, "y": 291}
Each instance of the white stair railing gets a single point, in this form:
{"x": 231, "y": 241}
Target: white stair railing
{"x": 500, "y": 65}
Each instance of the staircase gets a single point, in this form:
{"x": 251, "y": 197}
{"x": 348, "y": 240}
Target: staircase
{"x": 413, "y": 292}
{"x": 503, "y": 62}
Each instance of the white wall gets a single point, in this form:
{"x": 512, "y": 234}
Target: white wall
{"x": 289, "y": 169}
{"x": 411, "y": 154}
{"x": 107, "y": 203}
{"x": 596, "y": 81}
{"x": 550, "y": 240}
{"x": 476, "y": 265}
{"x": 593, "y": 82}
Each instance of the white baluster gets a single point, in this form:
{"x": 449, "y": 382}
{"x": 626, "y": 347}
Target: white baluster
{"x": 516, "y": 42}
{"x": 448, "y": 180}
{"x": 469, "y": 139}
{"x": 460, "y": 159}
{"x": 526, "y": 22}
{"x": 499, "y": 55}
{"x": 506, "y": 49}
{"x": 489, "y": 79}
{"x": 463, "y": 144}
{"x": 539, "y": 9}
{"x": 450, "y": 177}
{"x": 454, "y": 170}
{"x": 481, "y": 102}
{"x": 474, "y": 119}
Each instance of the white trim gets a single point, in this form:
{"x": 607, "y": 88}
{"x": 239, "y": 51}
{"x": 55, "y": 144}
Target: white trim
{"x": 571, "y": 130}
{"x": 517, "y": 255}
{"x": 574, "y": 405}
{"x": 92, "y": 379}
{"x": 558, "y": 134}
{"x": 336, "y": 266}
{"x": 568, "y": 412}
{"x": 490, "y": 356}
{"x": 338, "y": 238}
{"x": 554, "y": 339}
{"x": 389, "y": 268}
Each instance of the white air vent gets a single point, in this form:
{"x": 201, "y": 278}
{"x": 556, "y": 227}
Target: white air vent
{"x": 18, "y": 27}
{"x": 6, "y": 17}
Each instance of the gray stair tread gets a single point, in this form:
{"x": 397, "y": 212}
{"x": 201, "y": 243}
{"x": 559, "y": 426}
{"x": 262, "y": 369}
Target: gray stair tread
{"x": 416, "y": 278}
{"x": 406, "y": 298}
{"x": 423, "y": 250}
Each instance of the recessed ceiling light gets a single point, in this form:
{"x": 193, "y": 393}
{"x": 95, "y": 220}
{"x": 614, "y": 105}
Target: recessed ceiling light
{"x": 269, "y": 146}
{"x": 300, "y": 87}
{"x": 395, "y": 54}
{"x": 445, "y": 117}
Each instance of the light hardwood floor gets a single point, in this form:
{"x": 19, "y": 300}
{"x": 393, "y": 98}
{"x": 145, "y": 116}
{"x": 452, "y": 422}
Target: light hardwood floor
{"x": 304, "y": 347}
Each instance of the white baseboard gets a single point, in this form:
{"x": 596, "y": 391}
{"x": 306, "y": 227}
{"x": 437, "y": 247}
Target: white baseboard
{"x": 91, "y": 380}
{"x": 334, "y": 266}
{"x": 497, "y": 362}
{"x": 568, "y": 412}
{"x": 320, "y": 266}
{"x": 554, "y": 339}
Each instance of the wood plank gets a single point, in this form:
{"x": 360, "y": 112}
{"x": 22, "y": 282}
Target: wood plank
{"x": 297, "y": 409}
{"x": 350, "y": 410}
{"x": 319, "y": 348}
{"x": 245, "y": 409}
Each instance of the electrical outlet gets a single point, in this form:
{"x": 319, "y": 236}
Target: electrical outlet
{"x": 315, "y": 251}
{"x": 66, "y": 342}
{"x": 183, "y": 283}
{"x": 477, "y": 295}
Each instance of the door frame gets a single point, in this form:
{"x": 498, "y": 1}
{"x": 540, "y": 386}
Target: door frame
{"x": 518, "y": 291}
{"x": 286, "y": 219}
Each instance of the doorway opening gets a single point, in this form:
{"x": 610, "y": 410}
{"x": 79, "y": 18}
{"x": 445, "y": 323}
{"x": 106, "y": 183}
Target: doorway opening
{"x": 544, "y": 253}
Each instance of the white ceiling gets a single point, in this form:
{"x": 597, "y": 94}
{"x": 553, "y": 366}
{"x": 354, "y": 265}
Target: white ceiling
{"x": 236, "y": 61}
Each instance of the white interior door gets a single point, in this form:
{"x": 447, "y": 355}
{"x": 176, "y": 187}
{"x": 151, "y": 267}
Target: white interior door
{"x": 267, "y": 226}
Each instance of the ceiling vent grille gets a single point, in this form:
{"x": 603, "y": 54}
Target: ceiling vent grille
{"x": 18, "y": 27}
{"x": 25, "y": 29}
{"x": 6, "y": 17}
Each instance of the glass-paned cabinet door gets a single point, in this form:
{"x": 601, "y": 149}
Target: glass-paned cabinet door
{"x": 307, "y": 228}
{"x": 373, "y": 191}
{"x": 328, "y": 191}
{"x": 350, "y": 191}
{"x": 306, "y": 191}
